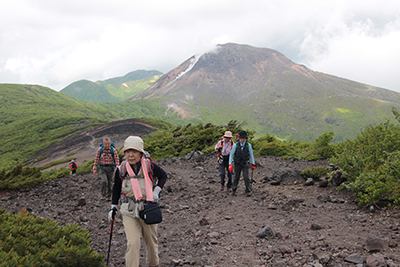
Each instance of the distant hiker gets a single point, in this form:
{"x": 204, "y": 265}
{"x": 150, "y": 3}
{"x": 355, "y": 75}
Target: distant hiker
{"x": 224, "y": 147}
{"x": 135, "y": 192}
{"x": 241, "y": 155}
{"x": 107, "y": 160}
{"x": 73, "y": 167}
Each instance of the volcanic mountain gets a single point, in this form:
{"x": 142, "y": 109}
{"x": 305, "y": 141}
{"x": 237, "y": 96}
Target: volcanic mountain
{"x": 269, "y": 93}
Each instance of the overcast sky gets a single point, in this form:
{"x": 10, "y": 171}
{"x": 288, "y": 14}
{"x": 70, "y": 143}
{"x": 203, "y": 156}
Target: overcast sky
{"x": 56, "y": 42}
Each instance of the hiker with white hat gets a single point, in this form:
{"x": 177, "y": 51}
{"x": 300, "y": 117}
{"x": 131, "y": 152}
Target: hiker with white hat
{"x": 138, "y": 183}
{"x": 224, "y": 147}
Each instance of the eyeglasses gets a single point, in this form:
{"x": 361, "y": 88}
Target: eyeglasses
{"x": 228, "y": 137}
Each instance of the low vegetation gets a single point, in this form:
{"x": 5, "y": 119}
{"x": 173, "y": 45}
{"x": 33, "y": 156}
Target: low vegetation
{"x": 27, "y": 240}
{"x": 370, "y": 161}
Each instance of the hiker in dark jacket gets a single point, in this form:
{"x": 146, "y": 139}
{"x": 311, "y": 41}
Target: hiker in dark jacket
{"x": 135, "y": 191}
{"x": 224, "y": 147}
{"x": 107, "y": 162}
{"x": 242, "y": 155}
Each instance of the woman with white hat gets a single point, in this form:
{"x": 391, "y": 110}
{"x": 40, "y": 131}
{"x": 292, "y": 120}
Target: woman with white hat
{"x": 135, "y": 191}
{"x": 224, "y": 147}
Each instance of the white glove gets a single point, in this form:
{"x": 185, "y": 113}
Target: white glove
{"x": 156, "y": 193}
{"x": 113, "y": 212}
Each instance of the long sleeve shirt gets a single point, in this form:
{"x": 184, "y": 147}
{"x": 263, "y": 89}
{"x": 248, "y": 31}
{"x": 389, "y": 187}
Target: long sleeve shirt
{"x": 105, "y": 158}
{"x": 158, "y": 173}
{"x": 241, "y": 145}
{"x": 226, "y": 147}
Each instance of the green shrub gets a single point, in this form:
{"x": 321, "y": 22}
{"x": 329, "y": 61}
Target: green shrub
{"x": 321, "y": 148}
{"x": 381, "y": 185}
{"x": 27, "y": 240}
{"x": 268, "y": 138}
{"x": 312, "y": 157}
{"x": 21, "y": 177}
{"x": 183, "y": 139}
{"x": 315, "y": 172}
{"x": 275, "y": 148}
{"x": 88, "y": 166}
{"x": 370, "y": 163}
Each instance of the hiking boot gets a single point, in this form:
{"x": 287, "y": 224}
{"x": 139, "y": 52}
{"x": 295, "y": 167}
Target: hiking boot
{"x": 248, "y": 194}
{"x": 233, "y": 193}
{"x": 222, "y": 187}
{"x": 229, "y": 190}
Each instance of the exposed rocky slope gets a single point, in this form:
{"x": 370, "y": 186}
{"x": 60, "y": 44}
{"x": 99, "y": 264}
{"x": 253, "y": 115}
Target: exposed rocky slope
{"x": 83, "y": 145}
{"x": 204, "y": 226}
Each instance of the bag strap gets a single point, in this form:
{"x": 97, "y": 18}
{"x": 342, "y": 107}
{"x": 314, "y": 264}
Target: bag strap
{"x": 135, "y": 184}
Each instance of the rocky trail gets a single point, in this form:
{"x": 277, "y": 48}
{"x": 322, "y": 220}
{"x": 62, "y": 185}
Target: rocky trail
{"x": 289, "y": 224}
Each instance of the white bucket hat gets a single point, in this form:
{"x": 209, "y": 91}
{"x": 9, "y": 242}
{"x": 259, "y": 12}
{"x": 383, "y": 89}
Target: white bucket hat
{"x": 133, "y": 142}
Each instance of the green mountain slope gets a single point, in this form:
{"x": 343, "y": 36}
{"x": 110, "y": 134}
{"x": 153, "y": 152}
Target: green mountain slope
{"x": 113, "y": 90}
{"x": 33, "y": 117}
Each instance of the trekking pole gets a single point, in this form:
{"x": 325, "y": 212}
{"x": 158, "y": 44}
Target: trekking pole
{"x": 109, "y": 244}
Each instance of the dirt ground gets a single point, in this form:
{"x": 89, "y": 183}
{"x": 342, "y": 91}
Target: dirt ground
{"x": 204, "y": 226}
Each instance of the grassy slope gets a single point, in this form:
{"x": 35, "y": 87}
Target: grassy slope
{"x": 113, "y": 90}
{"x": 34, "y": 117}
{"x": 126, "y": 90}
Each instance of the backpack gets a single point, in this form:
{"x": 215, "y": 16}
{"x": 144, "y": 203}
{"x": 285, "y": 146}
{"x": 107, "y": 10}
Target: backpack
{"x": 238, "y": 145}
{"x": 73, "y": 165}
{"x": 112, "y": 147}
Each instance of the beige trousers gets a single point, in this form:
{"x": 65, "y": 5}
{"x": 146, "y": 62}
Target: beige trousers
{"x": 134, "y": 229}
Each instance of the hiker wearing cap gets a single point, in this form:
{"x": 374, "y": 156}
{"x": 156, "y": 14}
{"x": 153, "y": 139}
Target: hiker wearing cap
{"x": 224, "y": 147}
{"x": 241, "y": 155}
{"x": 106, "y": 160}
{"x": 138, "y": 182}
{"x": 73, "y": 167}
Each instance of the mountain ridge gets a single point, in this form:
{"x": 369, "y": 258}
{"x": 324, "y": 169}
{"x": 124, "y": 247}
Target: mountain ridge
{"x": 271, "y": 94}
{"x": 115, "y": 89}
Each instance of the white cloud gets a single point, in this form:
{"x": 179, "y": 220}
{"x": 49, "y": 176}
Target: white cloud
{"x": 54, "y": 43}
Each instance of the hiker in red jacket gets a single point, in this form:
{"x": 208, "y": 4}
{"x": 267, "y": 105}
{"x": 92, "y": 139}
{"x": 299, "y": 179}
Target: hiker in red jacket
{"x": 73, "y": 167}
{"x": 224, "y": 147}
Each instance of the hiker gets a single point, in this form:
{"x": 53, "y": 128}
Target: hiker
{"x": 107, "y": 160}
{"x": 73, "y": 167}
{"x": 241, "y": 155}
{"x": 135, "y": 191}
{"x": 224, "y": 147}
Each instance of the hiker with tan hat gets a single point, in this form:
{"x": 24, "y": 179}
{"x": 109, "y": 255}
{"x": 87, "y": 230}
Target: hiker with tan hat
{"x": 138, "y": 183}
{"x": 224, "y": 147}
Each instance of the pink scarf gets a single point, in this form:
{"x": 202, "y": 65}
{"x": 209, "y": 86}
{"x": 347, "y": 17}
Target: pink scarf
{"x": 135, "y": 184}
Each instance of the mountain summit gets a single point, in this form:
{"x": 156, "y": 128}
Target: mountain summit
{"x": 270, "y": 94}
